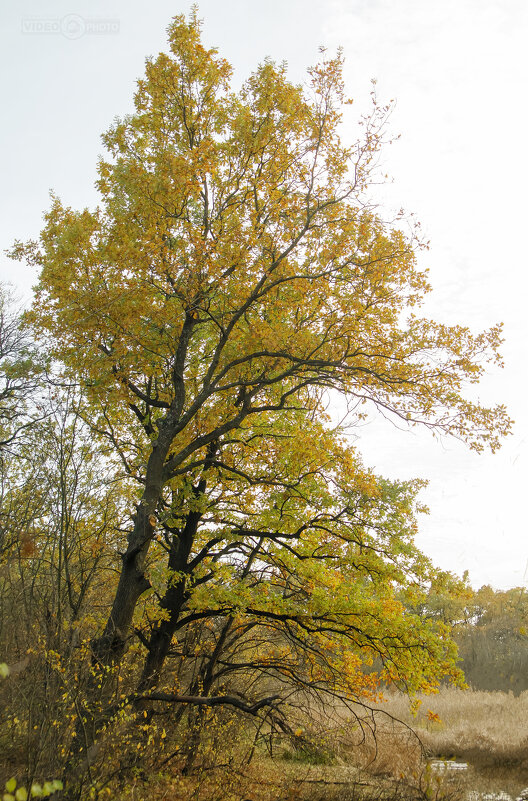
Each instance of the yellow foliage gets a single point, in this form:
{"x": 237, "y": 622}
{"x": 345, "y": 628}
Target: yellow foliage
{"x": 234, "y": 280}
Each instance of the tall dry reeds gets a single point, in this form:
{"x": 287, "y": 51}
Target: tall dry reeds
{"x": 484, "y": 728}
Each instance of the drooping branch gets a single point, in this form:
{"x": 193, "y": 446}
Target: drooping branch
{"x": 213, "y": 700}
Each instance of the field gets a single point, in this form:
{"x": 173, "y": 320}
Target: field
{"x": 488, "y": 729}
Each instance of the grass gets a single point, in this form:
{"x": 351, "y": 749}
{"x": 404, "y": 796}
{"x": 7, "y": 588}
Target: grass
{"x": 487, "y": 729}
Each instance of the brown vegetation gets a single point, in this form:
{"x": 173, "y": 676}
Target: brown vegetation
{"x": 486, "y": 728}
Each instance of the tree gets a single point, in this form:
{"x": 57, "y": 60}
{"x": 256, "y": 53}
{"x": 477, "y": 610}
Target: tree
{"x": 20, "y": 367}
{"x": 233, "y": 282}
{"x": 493, "y": 646}
{"x": 59, "y": 514}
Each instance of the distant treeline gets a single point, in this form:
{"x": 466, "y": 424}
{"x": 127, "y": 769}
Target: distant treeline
{"x": 491, "y": 630}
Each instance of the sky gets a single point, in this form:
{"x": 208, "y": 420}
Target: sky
{"x": 457, "y": 72}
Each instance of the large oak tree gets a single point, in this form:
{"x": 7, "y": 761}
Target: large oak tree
{"x": 234, "y": 282}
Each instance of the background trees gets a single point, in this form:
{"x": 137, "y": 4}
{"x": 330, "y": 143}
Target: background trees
{"x": 494, "y": 646}
{"x": 233, "y": 283}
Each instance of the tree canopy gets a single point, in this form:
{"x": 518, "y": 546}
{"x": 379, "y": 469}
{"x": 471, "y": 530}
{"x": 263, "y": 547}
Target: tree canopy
{"x": 234, "y": 281}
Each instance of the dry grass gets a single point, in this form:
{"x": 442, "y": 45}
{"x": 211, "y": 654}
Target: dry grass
{"x": 388, "y": 748}
{"x": 488, "y": 729}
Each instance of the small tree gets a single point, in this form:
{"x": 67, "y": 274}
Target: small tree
{"x": 233, "y": 281}
{"x": 59, "y": 514}
{"x": 20, "y": 367}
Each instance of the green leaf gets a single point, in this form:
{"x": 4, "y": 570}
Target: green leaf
{"x": 10, "y": 785}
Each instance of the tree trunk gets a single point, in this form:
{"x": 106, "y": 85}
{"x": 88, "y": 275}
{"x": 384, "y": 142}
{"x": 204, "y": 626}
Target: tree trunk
{"x": 172, "y": 602}
{"x": 109, "y": 648}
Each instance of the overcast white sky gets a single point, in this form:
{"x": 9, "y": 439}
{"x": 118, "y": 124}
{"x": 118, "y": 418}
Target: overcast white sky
{"x": 458, "y": 71}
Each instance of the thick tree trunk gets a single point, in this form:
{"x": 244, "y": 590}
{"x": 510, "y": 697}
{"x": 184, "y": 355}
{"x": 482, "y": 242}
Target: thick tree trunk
{"x": 109, "y": 648}
{"x": 172, "y": 602}
{"x": 161, "y": 639}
